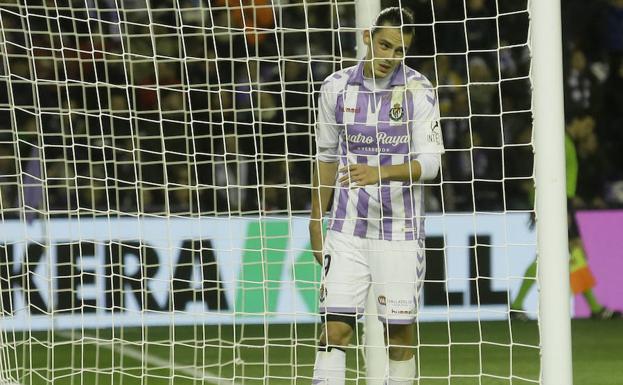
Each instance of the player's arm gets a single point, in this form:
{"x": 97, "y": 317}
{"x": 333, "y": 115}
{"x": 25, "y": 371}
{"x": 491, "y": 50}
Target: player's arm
{"x": 323, "y": 184}
{"x": 402, "y": 172}
{"x": 325, "y": 170}
{"x": 425, "y": 167}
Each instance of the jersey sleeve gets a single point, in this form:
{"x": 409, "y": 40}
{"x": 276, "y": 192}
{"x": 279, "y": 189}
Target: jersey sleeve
{"x": 327, "y": 129}
{"x": 426, "y": 135}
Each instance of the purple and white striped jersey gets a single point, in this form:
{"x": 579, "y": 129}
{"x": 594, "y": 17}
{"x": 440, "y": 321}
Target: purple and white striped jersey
{"x": 387, "y": 126}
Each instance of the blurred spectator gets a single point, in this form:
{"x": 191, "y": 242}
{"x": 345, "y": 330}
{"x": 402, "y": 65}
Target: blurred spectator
{"x": 8, "y": 179}
{"x": 614, "y": 28}
{"x": 482, "y": 88}
{"x": 149, "y": 111}
{"x": 149, "y": 82}
{"x": 613, "y": 92}
{"x": 481, "y": 25}
{"x": 612, "y": 134}
{"x": 580, "y": 86}
{"x": 583, "y": 27}
{"x": 449, "y": 82}
{"x": 255, "y": 18}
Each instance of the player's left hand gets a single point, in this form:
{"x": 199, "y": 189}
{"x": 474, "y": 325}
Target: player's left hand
{"x": 360, "y": 174}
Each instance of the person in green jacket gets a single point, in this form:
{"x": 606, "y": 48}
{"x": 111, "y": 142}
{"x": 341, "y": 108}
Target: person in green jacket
{"x": 581, "y": 129}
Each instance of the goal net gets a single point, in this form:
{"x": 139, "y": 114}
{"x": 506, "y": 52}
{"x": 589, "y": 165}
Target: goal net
{"x": 156, "y": 161}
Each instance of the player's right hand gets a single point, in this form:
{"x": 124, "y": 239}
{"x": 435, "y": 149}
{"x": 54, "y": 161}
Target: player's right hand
{"x": 315, "y": 236}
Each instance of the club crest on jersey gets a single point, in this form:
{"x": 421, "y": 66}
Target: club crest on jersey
{"x": 396, "y": 112}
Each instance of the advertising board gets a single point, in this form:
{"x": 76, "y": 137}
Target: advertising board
{"x": 152, "y": 271}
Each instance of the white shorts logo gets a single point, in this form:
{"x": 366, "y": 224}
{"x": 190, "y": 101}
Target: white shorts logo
{"x": 323, "y": 293}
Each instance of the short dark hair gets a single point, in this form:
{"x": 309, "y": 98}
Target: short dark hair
{"x": 395, "y": 17}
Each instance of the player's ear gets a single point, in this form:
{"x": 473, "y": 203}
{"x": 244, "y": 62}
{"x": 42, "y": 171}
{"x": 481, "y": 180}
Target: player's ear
{"x": 367, "y": 37}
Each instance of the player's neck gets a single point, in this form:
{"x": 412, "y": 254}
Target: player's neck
{"x": 367, "y": 69}
{"x": 368, "y": 73}
{"x": 373, "y": 82}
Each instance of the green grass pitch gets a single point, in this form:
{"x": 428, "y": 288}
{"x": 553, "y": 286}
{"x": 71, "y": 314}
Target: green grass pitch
{"x": 460, "y": 353}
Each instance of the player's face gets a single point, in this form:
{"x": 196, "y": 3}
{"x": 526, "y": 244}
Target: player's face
{"x": 386, "y": 50}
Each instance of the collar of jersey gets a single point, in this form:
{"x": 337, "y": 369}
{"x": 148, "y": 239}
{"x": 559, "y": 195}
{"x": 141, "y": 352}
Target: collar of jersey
{"x": 397, "y": 78}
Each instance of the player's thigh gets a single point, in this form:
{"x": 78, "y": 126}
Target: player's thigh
{"x": 397, "y": 270}
{"x": 346, "y": 276}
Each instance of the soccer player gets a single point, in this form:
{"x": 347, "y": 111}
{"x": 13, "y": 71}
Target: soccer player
{"x": 378, "y": 138}
{"x": 581, "y": 278}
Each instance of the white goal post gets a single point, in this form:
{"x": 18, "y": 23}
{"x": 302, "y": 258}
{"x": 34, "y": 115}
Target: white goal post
{"x": 549, "y": 128}
{"x": 155, "y": 169}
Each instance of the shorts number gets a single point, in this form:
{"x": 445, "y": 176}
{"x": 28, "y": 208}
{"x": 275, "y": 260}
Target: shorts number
{"x": 327, "y": 264}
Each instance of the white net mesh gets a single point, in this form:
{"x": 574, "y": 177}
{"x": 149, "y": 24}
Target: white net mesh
{"x": 156, "y": 161}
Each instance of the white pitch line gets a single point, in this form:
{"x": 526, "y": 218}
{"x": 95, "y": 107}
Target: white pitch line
{"x": 204, "y": 375}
